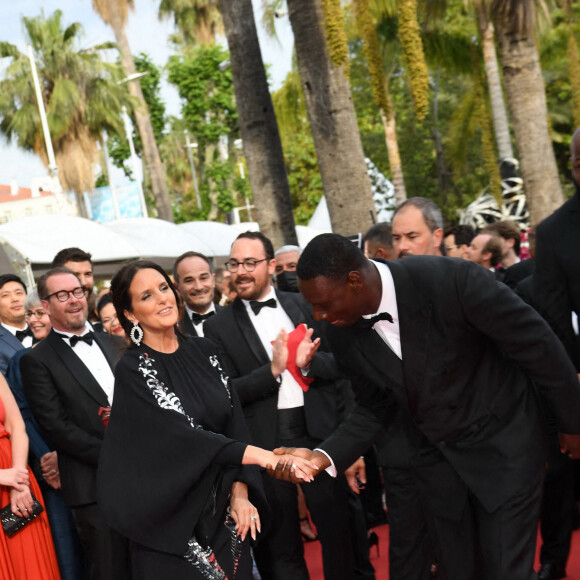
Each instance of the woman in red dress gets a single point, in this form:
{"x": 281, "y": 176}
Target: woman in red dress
{"x": 28, "y": 554}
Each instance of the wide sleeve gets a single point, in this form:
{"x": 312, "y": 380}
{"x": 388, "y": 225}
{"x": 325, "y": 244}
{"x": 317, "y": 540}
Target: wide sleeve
{"x": 156, "y": 469}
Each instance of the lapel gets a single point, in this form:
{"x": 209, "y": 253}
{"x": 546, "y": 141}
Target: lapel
{"x": 10, "y": 339}
{"x": 110, "y": 346}
{"x": 248, "y": 331}
{"x": 574, "y": 209}
{"x": 415, "y": 311}
{"x": 292, "y": 307}
{"x": 78, "y": 369}
{"x": 186, "y": 325}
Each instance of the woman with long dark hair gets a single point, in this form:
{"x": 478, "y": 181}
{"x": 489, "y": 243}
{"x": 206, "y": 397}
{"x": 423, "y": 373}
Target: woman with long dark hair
{"x": 175, "y": 475}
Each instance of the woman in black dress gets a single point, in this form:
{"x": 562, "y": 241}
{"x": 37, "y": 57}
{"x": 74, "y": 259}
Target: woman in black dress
{"x": 175, "y": 475}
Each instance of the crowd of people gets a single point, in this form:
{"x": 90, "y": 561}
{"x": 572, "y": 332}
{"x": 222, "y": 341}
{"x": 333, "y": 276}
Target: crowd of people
{"x": 192, "y": 426}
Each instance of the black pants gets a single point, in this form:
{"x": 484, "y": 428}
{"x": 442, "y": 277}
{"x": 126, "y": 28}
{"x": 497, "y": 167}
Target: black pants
{"x": 280, "y": 553}
{"x": 106, "y": 551}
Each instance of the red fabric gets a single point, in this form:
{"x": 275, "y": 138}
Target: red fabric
{"x": 294, "y": 339}
{"x": 29, "y": 554}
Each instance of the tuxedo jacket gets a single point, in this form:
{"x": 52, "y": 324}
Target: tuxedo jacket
{"x": 471, "y": 353}
{"x": 65, "y": 399}
{"x": 186, "y": 325}
{"x": 248, "y": 366}
{"x": 557, "y": 274}
{"x": 9, "y": 346}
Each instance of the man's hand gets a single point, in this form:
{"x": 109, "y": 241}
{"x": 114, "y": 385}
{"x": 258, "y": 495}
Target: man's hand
{"x": 279, "y": 354}
{"x": 570, "y": 444}
{"x": 283, "y": 470}
{"x": 306, "y": 350}
{"x": 356, "y": 475}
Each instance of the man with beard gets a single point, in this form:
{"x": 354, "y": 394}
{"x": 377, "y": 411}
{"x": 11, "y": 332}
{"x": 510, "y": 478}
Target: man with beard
{"x": 418, "y": 228}
{"x": 196, "y": 284}
{"x": 285, "y": 398}
{"x": 556, "y": 295}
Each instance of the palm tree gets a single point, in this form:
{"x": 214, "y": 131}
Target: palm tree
{"x": 380, "y": 83}
{"x": 500, "y": 121}
{"x": 114, "y": 13}
{"x": 198, "y": 21}
{"x": 258, "y": 127}
{"x": 525, "y": 92}
{"x": 81, "y": 96}
{"x": 322, "y": 55}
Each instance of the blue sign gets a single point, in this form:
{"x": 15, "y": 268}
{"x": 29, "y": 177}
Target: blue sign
{"x": 101, "y": 204}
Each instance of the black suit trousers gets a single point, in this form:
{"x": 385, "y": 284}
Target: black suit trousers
{"x": 106, "y": 551}
{"x": 280, "y": 554}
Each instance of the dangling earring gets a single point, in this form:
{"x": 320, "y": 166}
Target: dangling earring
{"x": 136, "y": 333}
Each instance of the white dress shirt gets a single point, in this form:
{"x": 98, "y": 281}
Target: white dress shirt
{"x": 268, "y": 324}
{"x": 26, "y": 342}
{"x": 94, "y": 359}
{"x": 199, "y": 327}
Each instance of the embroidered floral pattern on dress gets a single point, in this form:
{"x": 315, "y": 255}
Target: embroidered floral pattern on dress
{"x": 214, "y": 361}
{"x": 204, "y": 561}
{"x": 164, "y": 397}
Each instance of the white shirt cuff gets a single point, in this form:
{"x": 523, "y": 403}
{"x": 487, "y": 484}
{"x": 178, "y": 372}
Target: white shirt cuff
{"x": 331, "y": 469}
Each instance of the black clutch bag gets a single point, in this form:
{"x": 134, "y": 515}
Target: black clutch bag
{"x": 13, "y": 523}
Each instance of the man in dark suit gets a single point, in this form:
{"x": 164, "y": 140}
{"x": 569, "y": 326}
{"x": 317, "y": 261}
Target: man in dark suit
{"x": 196, "y": 284}
{"x": 454, "y": 350}
{"x": 556, "y": 295}
{"x": 68, "y": 381}
{"x": 14, "y": 332}
{"x": 280, "y": 407}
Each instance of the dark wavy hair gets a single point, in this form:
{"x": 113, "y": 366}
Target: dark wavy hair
{"x": 331, "y": 256}
{"x": 121, "y": 295}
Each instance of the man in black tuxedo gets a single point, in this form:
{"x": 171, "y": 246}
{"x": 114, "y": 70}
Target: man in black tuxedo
{"x": 68, "y": 381}
{"x": 469, "y": 349}
{"x": 280, "y": 407}
{"x": 196, "y": 284}
{"x": 556, "y": 295}
{"x": 14, "y": 332}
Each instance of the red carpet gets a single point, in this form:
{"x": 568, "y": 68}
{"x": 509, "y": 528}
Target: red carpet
{"x": 313, "y": 558}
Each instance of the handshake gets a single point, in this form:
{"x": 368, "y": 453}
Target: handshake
{"x": 286, "y": 469}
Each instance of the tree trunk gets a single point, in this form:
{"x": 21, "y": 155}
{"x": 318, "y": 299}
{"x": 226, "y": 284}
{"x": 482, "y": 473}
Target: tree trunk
{"x": 346, "y": 184}
{"x": 150, "y": 150}
{"x": 527, "y": 105}
{"x": 258, "y": 126}
{"x": 500, "y": 121}
{"x": 395, "y": 164}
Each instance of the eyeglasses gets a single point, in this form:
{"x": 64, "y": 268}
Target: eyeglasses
{"x": 63, "y": 295}
{"x": 249, "y": 264}
{"x": 37, "y": 313}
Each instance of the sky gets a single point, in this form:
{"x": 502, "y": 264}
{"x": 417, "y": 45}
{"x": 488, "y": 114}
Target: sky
{"x": 146, "y": 34}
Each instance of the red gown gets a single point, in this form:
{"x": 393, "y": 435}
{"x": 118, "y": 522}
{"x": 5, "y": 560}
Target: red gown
{"x": 29, "y": 554}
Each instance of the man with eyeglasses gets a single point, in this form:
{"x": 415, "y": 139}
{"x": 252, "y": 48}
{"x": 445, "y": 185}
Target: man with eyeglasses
{"x": 68, "y": 381}
{"x": 283, "y": 401}
{"x": 14, "y": 332}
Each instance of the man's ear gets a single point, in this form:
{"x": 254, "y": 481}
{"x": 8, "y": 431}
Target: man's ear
{"x": 354, "y": 280}
{"x": 437, "y": 237}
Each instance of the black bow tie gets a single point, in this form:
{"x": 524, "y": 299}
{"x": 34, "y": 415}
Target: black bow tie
{"x": 257, "y": 306}
{"x": 75, "y": 339}
{"x": 198, "y": 318}
{"x": 366, "y": 323}
{"x": 22, "y": 334}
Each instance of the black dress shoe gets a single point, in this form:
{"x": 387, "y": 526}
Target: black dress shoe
{"x": 551, "y": 572}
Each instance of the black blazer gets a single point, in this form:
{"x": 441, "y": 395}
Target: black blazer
{"x": 65, "y": 399}
{"x": 186, "y": 326}
{"x": 557, "y": 274}
{"x": 9, "y": 346}
{"x": 470, "y": 348}
{"x": 248, "y": 366}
